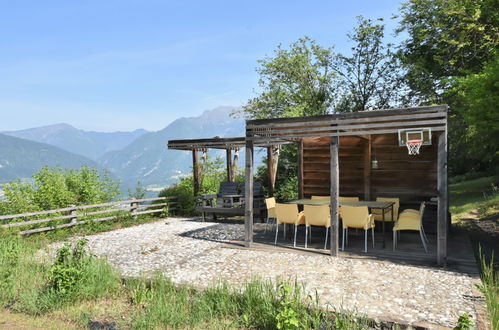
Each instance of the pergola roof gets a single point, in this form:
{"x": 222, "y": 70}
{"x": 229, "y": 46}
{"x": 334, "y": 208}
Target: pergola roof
{"x": 343, "y": 124}
{"x": 229, "y": 143}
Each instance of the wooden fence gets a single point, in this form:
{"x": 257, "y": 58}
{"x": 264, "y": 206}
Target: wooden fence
{"x": 74, "y": 214}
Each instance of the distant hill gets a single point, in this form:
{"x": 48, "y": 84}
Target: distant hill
{"x": 148, "y": 160}
{"x": 21, "y": 158}
{"x": 86, "y": 143}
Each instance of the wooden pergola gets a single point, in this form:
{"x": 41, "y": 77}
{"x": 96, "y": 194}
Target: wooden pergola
{"x": 230, "y": 145}
{"x": 367, "y": 133}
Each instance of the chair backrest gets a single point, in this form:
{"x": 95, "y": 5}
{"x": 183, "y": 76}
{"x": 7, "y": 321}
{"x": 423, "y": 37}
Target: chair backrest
{"x": 270, "y": 203}
{"x": 396, "y": 206}
{"x": 317, "y": 215}
{"x": 286, "y": 213}
{"x": 257, "y": 188}
{"x": 228, "y": 188}
{"x": 348, "y": 199}
{"x": 321, "y": 197}
{"x": 354, "y": 216}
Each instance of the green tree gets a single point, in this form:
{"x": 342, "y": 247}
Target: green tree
{"x": 446, "y": 39}
{"x": 294, "y": 82}
{"x": 371, "y": 77}
{"x": 53, "y": 188}
{"x": 479, "y": 97}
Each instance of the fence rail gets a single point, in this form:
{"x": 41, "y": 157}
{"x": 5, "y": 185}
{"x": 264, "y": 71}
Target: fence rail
{"x": 133, "y": 206}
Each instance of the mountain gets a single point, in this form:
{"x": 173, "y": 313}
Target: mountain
{"x": 20, "y": 158}
{"x": 86, "y": 143}
{"x": 148, "y": 160}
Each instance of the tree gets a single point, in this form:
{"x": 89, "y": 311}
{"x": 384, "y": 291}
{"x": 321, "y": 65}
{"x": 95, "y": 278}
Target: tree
{"x": 295, "y": 82}
{"x": 371, "y": 77}
{"x": 54, "y": 188}
{"x": 479, "y": 96}
{"x": 446, "y": 39}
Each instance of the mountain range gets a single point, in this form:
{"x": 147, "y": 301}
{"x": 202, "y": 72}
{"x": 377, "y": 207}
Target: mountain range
{"x": 86, "y": 143}
{"x": 21, "y": 158}
{"x": 138, "y": 156}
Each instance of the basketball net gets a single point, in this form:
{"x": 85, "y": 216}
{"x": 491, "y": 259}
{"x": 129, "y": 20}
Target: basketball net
{"x": 413, "y": 146}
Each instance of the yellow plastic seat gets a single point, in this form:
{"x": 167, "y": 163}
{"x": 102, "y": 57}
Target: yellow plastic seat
{"x": 378, "y": 214}
{"x": 321, "y": 197}
{"x": 356, "y": 217}
{"x": 270, "y": 203}
{"x": 288, "y": 214}
{"x": 348, "y": 199}
{"x": 317, "y": 216}
{"x": 411, "y": 220}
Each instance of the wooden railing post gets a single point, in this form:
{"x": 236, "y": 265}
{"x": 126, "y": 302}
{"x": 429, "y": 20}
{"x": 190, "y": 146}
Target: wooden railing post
{"x": 133, "y": 208}
{"x": 73, "y": 214}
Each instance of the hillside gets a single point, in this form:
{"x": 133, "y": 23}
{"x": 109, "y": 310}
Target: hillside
{"x": 148, "y": 160}
{"x": 86, "y": 143}
{"x": 20, "y": 158}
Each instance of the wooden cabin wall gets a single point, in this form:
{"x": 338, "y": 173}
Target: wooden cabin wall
{"x": 411, "y": 178}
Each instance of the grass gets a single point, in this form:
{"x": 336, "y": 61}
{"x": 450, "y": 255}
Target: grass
{"x": 490, "y": 289}
{"x": 92, "y": 293}
{"x": 478, "y": 195}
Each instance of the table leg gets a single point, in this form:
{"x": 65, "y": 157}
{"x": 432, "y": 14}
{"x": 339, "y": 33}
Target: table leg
{"x": 383, "y": 218}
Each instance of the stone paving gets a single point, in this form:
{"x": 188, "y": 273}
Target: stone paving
{"x": 197, "y": 253}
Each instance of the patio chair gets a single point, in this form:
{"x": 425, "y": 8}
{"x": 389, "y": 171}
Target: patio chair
{"x": 317, "y": 216}
{"x": 270, "y": 204}
{"x": 356, "y": 217}
{"x": 378, "y": 214}
{"x": 411, "y": 220}
{"x": 320, "y": 197}
{"x": 348, "y": 199}
{"x": 288, "y": 214}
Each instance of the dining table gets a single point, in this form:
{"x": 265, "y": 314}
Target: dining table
{"x": 384, "y": 206}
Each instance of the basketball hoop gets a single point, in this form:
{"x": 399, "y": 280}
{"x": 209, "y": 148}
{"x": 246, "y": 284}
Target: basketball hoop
{"x": 413, "y": 146}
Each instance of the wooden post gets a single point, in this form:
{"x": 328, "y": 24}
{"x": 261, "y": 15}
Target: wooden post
{"x": 248, "y": 202}
{"x": 72, "y": 213}
{"x": 335, "y": 184}
{"x": 234, "y": 163}
{"x": 133, "y": 208}
{"x": 442, "y": 199}
{"x": 300, "y": 169}
{"x": 272, "y": 160}
{"x": 367, "y": 169}
{"x": 195, "y": 172}
{"x": 230, "y": 173}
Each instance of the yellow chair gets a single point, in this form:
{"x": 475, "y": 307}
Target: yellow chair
{"x": 321, "y": 197}
{"x": 317, "y": 216}
{"x": 288, "y": 214}
{"x": 270, "y": 203}
{"x": 378, "y": 214}
{"x": 356, "y": 217}
{"x": 411, "y": 220}
{"x": 348, "y": 199}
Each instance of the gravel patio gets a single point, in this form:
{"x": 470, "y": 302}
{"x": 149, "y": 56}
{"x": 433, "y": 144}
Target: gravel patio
{"x": 203, "y": 253}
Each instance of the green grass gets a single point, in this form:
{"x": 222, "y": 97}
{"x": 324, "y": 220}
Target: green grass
{"x": 490, "y": 289}
{"x": 481, "y": 195}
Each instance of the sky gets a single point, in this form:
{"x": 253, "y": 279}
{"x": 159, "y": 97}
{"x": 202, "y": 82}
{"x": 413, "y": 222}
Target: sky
{"x": 111, "y": 65}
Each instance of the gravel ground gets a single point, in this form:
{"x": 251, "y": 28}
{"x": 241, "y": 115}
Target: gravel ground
{"x": 197, "y": 253}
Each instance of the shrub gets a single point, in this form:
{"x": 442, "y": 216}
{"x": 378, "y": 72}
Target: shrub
{"x": 54, "y": 188}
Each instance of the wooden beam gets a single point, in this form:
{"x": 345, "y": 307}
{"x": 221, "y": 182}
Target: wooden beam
{"x": 335, "y": 184}
{"x": 248, "y": 213}
{"x": 230, "y": 174}
{"x": 367, "y": 168}
{"x": 300, "y": 169}
{"x": 196, "y": 172}
{"x": 442, "y": 199}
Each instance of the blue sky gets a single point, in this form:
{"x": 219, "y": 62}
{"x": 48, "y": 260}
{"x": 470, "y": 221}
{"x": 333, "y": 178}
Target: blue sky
{"x": 119, "y": 65}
